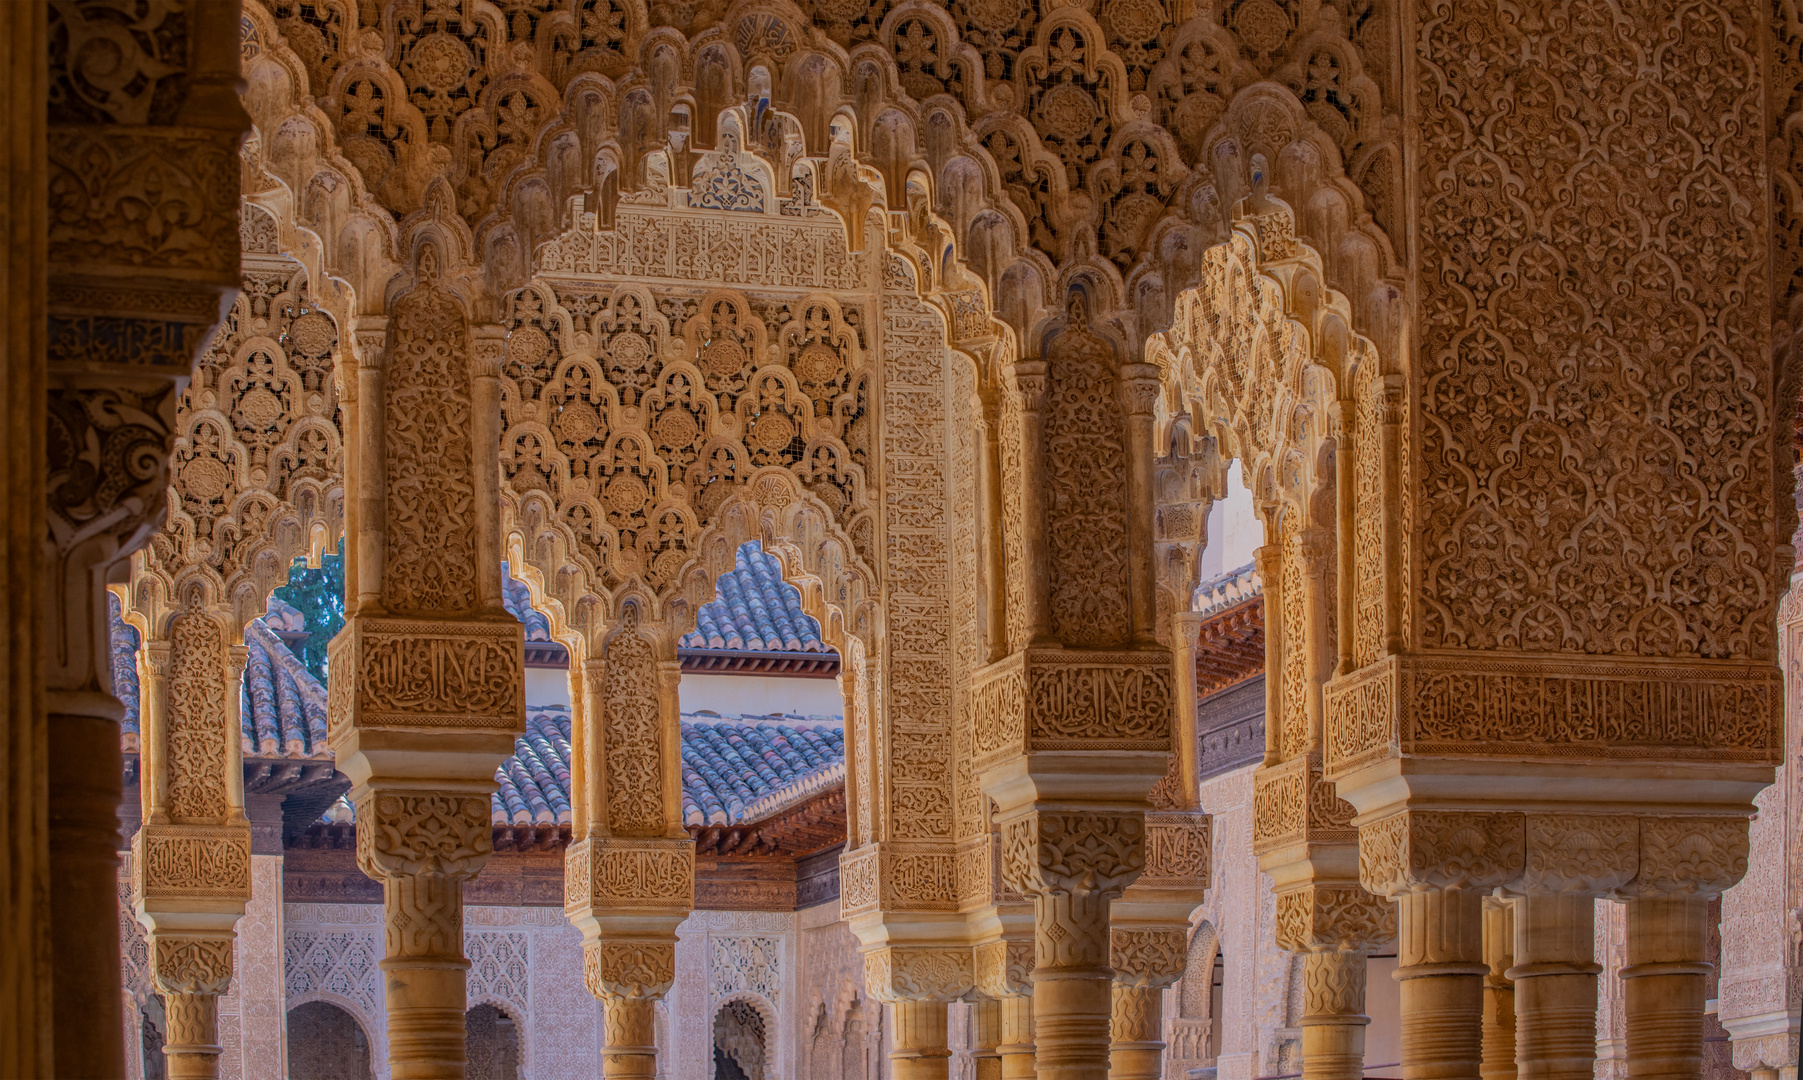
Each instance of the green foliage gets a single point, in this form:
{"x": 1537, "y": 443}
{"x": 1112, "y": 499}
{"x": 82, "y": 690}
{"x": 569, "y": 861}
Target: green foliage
{"x": 319, "y": 595}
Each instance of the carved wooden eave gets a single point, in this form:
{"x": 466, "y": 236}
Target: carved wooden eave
{"x": 1230, "y": 647}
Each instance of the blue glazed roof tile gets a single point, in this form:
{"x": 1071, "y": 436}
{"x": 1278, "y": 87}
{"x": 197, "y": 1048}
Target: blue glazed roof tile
{"x": 517, "y": 599}
{"x": 732, "y": 770}
{"x": 755, "y": 609}
{"x": 124, "y": 641}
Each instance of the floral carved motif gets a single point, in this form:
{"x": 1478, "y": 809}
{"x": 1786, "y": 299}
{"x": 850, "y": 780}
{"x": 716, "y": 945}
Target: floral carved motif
{"x": 628, "y": 969}
{"x": 1334, "y": 917}
{"x": 894, "y": 974}
{"x": 1150, "y": 959}
{"x": 198, "y": 726}
{"x": 429, "y": 562}
{"x": 632, "y": 735}
{"x": 1004, "y": 968}
{"x": 1072, "y": 864}
{"x": 1440, "y": 849}
{"x": 1595, "y": 460}
{"x": 183, "y": 965}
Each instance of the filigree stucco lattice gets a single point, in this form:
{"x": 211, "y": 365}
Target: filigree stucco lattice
{"x": 1595, "y": 461}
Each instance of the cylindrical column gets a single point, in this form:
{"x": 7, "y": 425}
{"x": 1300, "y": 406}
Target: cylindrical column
{"x": 1028, "y": 383}
{"x": 631, "y": 1049}
{"x": 986, "y": 1037}
{"x": 1499, "y": 992}
{"x": 1269, "y": 560}
{"x": 1138, "y": 1022}
{"x": 1016, "y": 1047}
{"x": 191, "y": 1051}
{"x": 1442, "y": 969}
{"x": 83, "y": 779}
{"x": 1139, "y": 397}
{"x": 1072, "y": 1008}
{"x": 920, "y": 1051}
{"x": 423, "y": 975}
{"x": 1662, "y": 985}
{"x": 1555, "y": 986}
{"x": 1333, "y": 1014}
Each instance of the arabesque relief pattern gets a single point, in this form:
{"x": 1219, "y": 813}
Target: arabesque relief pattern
{"x": 490, "y": 185}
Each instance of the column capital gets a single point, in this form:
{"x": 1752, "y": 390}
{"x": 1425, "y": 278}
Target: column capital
{"x": 895, "y": 974}
{"x": 632, "y": 970}
{"x": 1592, "y": 854}
{"x": 1435, "y": 849}
{"x": 1147, "y": 957}
{"x": 1689, "y": 856}
{"x": 403, "y": 832}
{"x": 1004, "y": 968}
{"x": 1334, "y": 917}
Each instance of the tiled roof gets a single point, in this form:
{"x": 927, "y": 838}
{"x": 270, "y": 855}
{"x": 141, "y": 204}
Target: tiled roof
{"x": 755, "y": 609}
{"x": 517, "y": 599}
{"x": 732, "y": 770}
{"x": 1233, "y": 587}
{"x": 286, "y": 714}
{"x": 124, "y": 640}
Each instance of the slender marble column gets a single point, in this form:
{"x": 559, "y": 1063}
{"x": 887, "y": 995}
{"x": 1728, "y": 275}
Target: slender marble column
{"x": 1333, "y": 1014}
{"x": 1662, "y": 986}
{"x": 920, "y": 1051}
{"x": 1016, "y": 1048}
{"x": 1499, "y": 992}
{"x": 1555, "y": 986}
{"x": 1441, "y": 968}
{"x": 986, "y": 1036}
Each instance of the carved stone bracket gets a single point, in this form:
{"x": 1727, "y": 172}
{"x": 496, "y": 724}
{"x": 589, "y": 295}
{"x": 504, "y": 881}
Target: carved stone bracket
{"x": 1294, "y": 804}
{"x": 898, "y": 876}
{"x": 415, "y": 673}
{"x": 918, "y": 973}
{"x": 606, "y": 874}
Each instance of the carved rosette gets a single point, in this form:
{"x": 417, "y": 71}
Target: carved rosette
{"x": 1072, "y": 864}
{"x": 1065, "y": 699}
{"x": 898, "y": 973}
{"x": 1553, "y": 707}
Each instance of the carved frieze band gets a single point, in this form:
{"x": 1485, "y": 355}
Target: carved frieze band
{"x": 192, "y": 861}
{"x": 1552, "y": 707}
{"x": 418, "y": 674}
{"x": 1066, "y": 699}
{"x": 605, "y": 873}
{"x": 1179, "y": 845}
{"x": 918, "y": 973}
{"x": 667, "y": 245}
{"x": 892, "y": 877}
{"x": 1599, "y": 854}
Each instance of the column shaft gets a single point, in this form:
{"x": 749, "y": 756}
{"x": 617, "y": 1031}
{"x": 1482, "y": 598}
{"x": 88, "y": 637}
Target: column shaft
{"x": 1138, "y": 1049}
{"x": 920, "y": 1051}
{"x": 84, "y": 784}
{"x": 1333, "y": 1015}
{"x": 1016, "y": 1047}
{"x": 192, "y": 1050}
{"x": 1555, "y": 986}
{"x": 423, "y": 976}
{"x": 1499, "y": 992}
{"x": 1662, "y": 986}
{"x": 631, "y": 1050}
{"x": 986, "y": 1036}
{"x": 1441, "y": 971}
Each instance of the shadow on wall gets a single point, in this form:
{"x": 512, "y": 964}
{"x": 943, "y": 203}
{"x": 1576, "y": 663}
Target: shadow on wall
{"x": 492, "y": 1042}
{"x": 326, "y": 1043}
{"x": 739, "y": 1042}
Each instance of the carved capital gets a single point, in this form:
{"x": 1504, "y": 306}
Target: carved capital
{"x": 402, "y": 834}
{"x": 1147, "y": 959}
{"x": 1027, "y": 380}
{"x": 1581, "y": 853}
{"x": 190, "y": 965}
{"x": 1334, "y": 917}
{"x": 488, "y": 347}
{"x": 918, "y": 973}
{"x": 1139, "y": 388}
{"x": 370, "y": 338}
{"x": 630, "y": 970}
{"x": 1004, "y": 968}
{"x": 1333, "y": 985}
{"x": 1690, "y": 856}
{"x": 1433, "y": 849}
{"x": 1072, "y": 864}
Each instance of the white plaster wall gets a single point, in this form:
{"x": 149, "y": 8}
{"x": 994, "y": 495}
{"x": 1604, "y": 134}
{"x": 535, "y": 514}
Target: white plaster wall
{"x": 704, "y": 982}
{"x": 1257, "y": 995}
{"x": 760, "y": 695}
{"x": 253, "y": 1018}
{"x": 330, "y": 954}
{"x": 1234, "y": 531}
